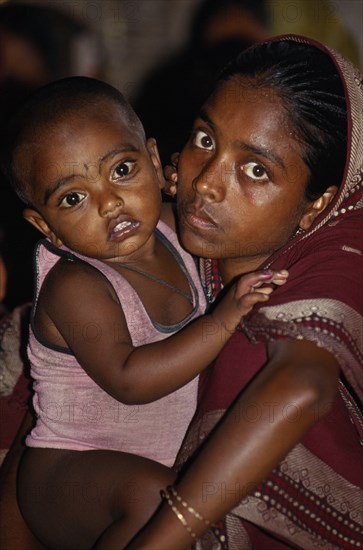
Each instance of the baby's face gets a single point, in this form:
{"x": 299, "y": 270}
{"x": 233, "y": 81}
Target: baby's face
{"x": 96, "y": 184}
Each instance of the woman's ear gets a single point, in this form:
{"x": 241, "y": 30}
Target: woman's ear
{"x": 155, "y": 159}
{"x": 317, "y": 207}
{"x": 33, "y": 217}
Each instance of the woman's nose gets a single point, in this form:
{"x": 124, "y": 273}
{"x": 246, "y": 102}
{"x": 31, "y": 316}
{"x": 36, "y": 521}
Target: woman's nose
{"x": 210, "y": 183}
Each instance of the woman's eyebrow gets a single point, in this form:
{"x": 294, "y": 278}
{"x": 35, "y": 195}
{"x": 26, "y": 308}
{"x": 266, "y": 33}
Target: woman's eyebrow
{"x": 205, "y": 117}
{"x": 258, "y": 150}
{"x": 262, "y": 151}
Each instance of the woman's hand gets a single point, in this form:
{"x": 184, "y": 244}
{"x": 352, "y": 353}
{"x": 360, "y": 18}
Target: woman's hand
{"x": 171, "y": 176}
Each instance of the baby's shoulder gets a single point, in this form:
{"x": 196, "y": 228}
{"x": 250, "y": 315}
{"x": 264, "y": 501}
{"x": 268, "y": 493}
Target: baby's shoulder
{"x": 74, "y": 280}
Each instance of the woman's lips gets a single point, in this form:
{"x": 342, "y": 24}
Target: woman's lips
{"x": 198, "y": 218}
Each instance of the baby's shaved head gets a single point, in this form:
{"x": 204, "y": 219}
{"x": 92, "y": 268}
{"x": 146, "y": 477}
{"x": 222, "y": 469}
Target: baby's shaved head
{"x": 52, "y": 106}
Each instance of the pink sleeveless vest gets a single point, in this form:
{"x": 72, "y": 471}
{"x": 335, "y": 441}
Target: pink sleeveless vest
{"x": 73, "y": 412}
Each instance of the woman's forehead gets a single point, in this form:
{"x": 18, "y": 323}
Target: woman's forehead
{"x": 239, "y": 106}
{"x": 238, "y": 91}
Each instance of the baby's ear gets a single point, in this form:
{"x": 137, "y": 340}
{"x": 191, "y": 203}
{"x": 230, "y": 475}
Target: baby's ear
{"x": 317, "y": 207}
{"x": 33, "y": 217}
{"x": 155, "y": 158}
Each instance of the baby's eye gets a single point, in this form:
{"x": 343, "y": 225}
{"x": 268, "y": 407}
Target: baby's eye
{"x": 123, "y": 169}
{"x": 202, "y": 140}
{"x": 255, "y": 171}
{"x": 72, "y": 199}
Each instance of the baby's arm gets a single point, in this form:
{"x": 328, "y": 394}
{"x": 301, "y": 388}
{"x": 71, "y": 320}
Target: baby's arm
{"x": 81, "y": 304}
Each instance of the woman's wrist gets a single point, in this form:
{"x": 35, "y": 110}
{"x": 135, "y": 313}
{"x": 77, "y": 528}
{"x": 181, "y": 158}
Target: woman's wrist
{"x": 165, "y": 531}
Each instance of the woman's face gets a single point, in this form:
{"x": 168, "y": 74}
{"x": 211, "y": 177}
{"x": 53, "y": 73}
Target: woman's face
{"x": 241, "y": 178}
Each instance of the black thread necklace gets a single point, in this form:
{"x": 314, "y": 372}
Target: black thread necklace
{"x": 186, "y": 295}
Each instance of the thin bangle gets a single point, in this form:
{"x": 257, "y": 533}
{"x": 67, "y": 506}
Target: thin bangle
{"x": 166, "y": 496}
{"x": 172, "y": 492}
{"x": 171, "y": 489}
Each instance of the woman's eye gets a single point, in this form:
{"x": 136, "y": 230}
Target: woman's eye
{"x": 72, "y": 199}
{"x": 255, "y": 171}
{"x": 202, "y": 140}
{"x": 123, "y": 169}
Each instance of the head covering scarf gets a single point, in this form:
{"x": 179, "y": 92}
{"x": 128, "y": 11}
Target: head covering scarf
{"x": 313, "y": 498}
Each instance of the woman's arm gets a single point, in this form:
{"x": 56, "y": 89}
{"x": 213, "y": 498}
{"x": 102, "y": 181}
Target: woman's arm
{"x": 239, "y": 454}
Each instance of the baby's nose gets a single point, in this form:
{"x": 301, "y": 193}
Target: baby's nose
{"x": 110, "y": 205}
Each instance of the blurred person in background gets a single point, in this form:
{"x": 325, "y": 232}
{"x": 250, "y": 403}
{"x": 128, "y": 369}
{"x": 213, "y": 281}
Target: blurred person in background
{"x": 172, "y": 93}
{"x": 38, "y": 44}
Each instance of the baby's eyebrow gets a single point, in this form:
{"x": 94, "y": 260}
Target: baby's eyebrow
{"x": 57, "y": 184}
{"x": 53, "y": 187}
{"x": 124, "y": 148}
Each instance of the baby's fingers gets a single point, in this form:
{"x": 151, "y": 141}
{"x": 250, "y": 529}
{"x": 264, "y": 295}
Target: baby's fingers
{"x": 279, "y": 277}
{"x": 246, "y": 302}
{"x": 263, "y": 290}
{"x": 249, "y": 283}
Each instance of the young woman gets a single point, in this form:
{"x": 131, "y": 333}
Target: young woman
{"x": 272, "y": 177}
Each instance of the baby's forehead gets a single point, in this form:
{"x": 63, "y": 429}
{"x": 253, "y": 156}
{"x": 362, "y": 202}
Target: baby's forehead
{"x": 73, "y": 124}
{"x": 60, "y": 132}
{"x": 101, "y": 112}
{"x": 64, "y": 136}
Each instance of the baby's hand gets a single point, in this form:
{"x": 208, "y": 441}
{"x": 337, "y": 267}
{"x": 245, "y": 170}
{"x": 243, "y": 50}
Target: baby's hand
{"x": 244, "y": 294}
{"x": 171, "y": 176}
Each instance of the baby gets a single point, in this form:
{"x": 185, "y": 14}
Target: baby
{"x": 118, "y": 336}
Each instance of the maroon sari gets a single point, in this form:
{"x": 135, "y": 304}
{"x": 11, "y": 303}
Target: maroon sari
{"x": 313, "y": 498}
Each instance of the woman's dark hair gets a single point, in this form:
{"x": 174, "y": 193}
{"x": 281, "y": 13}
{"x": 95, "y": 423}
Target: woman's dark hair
{"x": 307, "y": 81}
